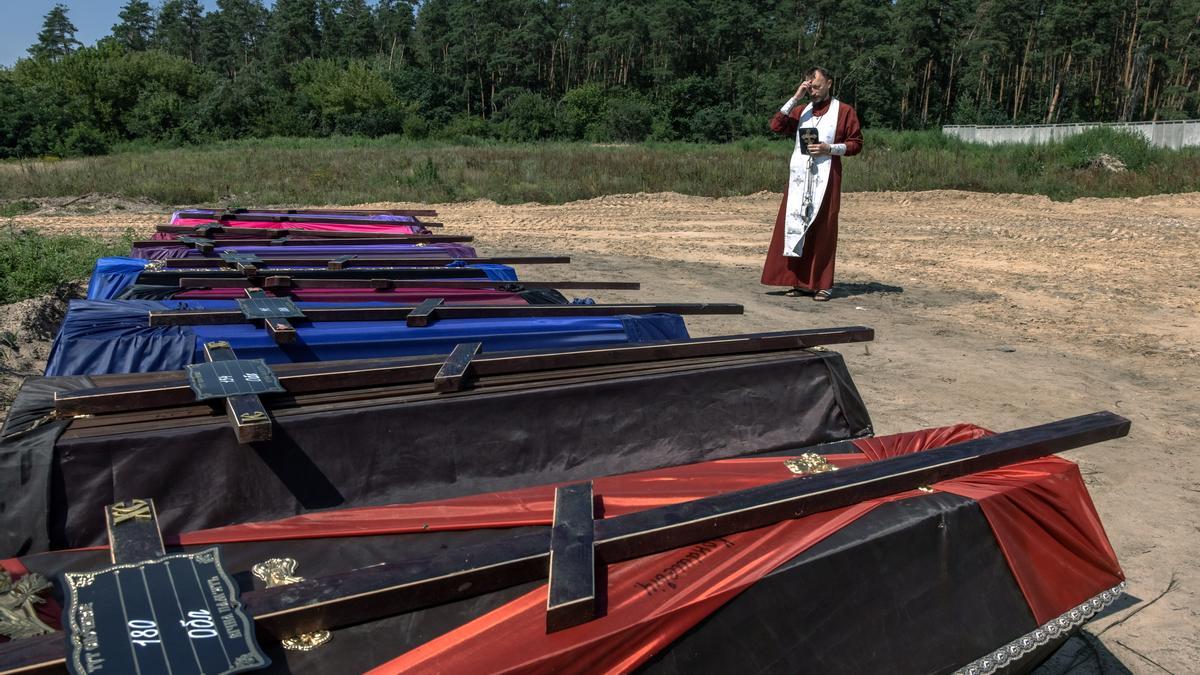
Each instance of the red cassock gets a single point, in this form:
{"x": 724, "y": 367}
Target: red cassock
{"x": 813, "y": 270}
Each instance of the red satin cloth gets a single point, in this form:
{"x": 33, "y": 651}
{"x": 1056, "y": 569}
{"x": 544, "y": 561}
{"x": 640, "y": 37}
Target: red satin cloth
{"x": 1040, "y": 513}
{"x": 383, "y": 229}
{"x": 404, "y": 296}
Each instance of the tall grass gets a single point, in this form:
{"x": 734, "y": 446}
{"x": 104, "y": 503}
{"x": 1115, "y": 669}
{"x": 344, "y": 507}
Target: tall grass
{"x": 355, "y": 170}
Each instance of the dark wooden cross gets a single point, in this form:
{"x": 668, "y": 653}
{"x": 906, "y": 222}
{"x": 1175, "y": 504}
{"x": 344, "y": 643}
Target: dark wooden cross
{"x": 425, "y": 313}
{"x": 335, "y": 269}
{"x": 356, "y": 261}
{"x": 158, "y": 391}
{"x": 345, "y": 218}
{"x": 288, "y": 281}
{"x": 222, "y": 231}
{"x": 370, "y": 238}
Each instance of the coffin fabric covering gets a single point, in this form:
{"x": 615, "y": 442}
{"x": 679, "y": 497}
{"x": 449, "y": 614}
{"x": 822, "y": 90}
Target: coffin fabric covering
{"x": 193, "y": 217}
{"x": 27, "y": 463}
{"x": 487, "y": 440}
{"x": 363, "y": 225}
{"x": 912, "y": 583}
{"x": 113, "y": 277}
{"x": 112, "y": 336}
{"x": 167, "y": 251}
{"x": 393, "y": 296}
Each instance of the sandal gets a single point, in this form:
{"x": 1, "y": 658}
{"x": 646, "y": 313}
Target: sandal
{"x": 823, "y": 296}
{"x": 796, "y": 292}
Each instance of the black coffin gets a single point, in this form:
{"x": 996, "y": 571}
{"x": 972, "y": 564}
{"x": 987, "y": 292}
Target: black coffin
{"x": 56, "y": 478}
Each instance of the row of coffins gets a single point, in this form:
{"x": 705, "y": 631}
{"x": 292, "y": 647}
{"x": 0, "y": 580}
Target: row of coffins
{"x": 198, "y": 233}
{"x": 146, "y": 315}
{"x": 662, "y": 505}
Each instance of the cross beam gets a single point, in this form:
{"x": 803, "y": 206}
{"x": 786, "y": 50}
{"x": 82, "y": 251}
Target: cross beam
{"x": 370, "y": 240}
{"x": 240, "y": 269}
{"x": 205, "y": 317}
{"x": 230, "y": 213}
{"x": 215, "y": 231}
{"x": 363, "y": 260}
{"x": 286, "y": 281}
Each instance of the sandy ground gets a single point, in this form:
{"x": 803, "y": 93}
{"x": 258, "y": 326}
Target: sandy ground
{"x": 1003, "y": 310}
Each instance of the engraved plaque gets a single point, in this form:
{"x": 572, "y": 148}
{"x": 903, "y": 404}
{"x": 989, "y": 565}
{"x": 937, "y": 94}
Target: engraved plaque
{"x": 175, "y": 614}
{"x": 222, "y": 379}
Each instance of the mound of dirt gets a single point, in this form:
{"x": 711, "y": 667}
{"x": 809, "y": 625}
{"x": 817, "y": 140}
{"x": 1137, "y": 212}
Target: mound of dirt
{"x": 93, "y": 203}
{"x": 27, "y": 329}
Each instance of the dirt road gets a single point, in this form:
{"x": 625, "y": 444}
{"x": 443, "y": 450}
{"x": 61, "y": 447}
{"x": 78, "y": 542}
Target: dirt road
{"x": 1003, "y": 310}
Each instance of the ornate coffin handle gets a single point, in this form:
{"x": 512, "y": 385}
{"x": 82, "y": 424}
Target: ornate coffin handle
{"x": 281, "y": 572}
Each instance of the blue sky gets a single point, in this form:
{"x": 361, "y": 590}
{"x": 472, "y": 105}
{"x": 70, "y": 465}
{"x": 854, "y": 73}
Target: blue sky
{"x": 20, "y": 21}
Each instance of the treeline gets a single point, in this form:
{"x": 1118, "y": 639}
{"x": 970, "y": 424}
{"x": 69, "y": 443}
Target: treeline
{"x": 597, "y": 70}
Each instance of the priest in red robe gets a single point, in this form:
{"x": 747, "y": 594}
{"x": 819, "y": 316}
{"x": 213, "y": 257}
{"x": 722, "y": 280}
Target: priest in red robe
{"x": 804, "y": 243}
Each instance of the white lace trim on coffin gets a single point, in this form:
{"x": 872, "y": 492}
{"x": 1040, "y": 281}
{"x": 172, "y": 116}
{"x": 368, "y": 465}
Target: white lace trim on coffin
{"x": 1053, "y": 629}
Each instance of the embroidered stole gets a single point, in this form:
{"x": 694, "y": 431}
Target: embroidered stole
{"x": 809, "y": 176}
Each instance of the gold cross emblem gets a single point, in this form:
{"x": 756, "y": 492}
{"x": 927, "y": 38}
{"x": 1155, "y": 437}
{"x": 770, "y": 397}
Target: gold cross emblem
{"x": 136, "y": 509}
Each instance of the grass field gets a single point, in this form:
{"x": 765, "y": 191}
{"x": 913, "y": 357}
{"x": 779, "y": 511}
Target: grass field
{"x": 356, "y": 170}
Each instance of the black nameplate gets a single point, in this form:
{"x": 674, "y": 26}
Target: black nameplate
{"x": 175, "y": 614}
{"x": 223, "y": 379}
{"x": 807, "y": 136}
{"x": 244, "y": 258}
{"x": 571, "y": 599}
{"x": 266, "y": 307}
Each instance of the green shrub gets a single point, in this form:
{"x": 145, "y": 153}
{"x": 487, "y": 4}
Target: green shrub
{"x": 583, "y": 112}
{"x": 628, "y": 118}
{"x": 32, "y": 263}
{"x": 465, "y": 129}
{"x": 82, "y": 139}
{"x": 527, "y": 117}
{"x": 1080, "y": 150}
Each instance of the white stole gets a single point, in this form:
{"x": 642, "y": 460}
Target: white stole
{"x": 809, "y": 175}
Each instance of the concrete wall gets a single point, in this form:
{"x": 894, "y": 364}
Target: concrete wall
{"x": 1173, "y": 135}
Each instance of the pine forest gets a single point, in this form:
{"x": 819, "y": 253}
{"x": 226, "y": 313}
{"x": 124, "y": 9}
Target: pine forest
{"x": 593, "y": 70}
